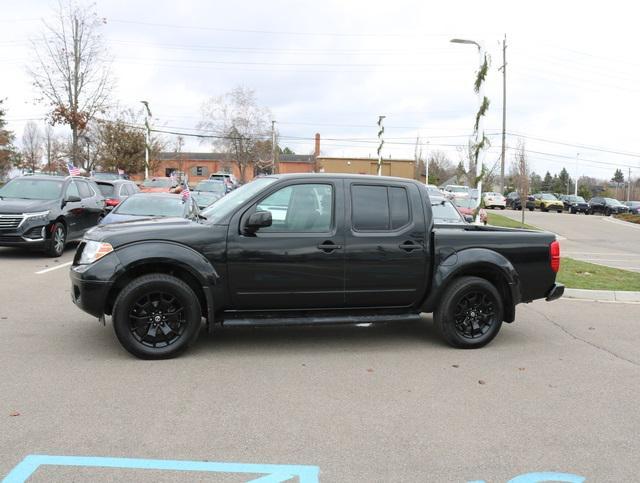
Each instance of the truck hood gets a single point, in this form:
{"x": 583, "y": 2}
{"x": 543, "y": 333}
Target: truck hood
{"x": 178, "y": 230}
{"x": 11, "y": 206}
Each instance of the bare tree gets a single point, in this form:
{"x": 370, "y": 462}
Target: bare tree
{"x": 31, "y": 146}
{"x": 71, "y": 70}
{"x": 440, "y": 166}
{"x": 53, "y": 150}
{"x": 238, "y": 123}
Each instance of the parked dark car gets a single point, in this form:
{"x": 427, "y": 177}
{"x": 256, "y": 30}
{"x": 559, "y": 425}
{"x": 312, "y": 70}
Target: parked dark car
{"x": 48, "y": 211}
{"x": 634, "y": 207}
{"x": 513, "y": 201}
{"x": 116, "y": 191}
{"x": 229, "y": 180}
{"x": 606, "y": 206}
{"x": 147, "y": 205}
{"x": 575, "y": 204}
{"x": 208, "y": 192}
{"x": 349, "y": 249}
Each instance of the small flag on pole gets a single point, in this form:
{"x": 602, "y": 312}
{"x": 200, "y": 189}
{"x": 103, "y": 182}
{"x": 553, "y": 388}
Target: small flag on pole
{"x": 186, "y": 194}
{"x": 73, "y": 171}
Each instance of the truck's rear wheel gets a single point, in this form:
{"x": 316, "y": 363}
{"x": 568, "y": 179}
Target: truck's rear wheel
{"x": 156, "y": 316}
{"x": 470, "y": 313}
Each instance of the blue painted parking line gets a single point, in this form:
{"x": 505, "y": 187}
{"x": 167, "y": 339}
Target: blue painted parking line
{"x": 272, "y": 473}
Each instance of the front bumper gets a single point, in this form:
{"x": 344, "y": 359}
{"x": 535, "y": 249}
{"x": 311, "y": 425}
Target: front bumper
{"x": 579, "y": 208}
{"x": 91, "y": 284}
{"x": 555, "y": 293}
{"x": 26, "y": 235}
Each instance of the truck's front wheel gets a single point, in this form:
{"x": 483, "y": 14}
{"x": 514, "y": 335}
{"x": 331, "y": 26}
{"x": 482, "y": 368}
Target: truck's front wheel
{"x": 470, "y": 314}
{"x": 156, "y": 316}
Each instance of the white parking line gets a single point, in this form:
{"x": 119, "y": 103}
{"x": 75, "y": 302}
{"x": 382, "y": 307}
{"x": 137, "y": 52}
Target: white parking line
{"x": 62, "y": 265}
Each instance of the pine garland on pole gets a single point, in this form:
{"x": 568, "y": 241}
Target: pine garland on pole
{"x": 380, "y": 133}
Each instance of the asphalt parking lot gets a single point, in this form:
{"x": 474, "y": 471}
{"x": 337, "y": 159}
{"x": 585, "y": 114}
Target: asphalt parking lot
{"x": 592, "y": 238}
{"x": 557, "y": 391}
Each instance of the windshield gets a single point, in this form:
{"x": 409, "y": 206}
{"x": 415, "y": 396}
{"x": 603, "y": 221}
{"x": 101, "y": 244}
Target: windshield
{"x": 212, "y": 186}
{"x": 445, "y": 212}
{"x": 458, "y": 189}
{"x": 230, "y": 202}
{"x": 106, "y": 176}
{"x": 611, "y": 201}
{"x": 466, "y": 202}
{"x": 106, "y": 189}
{"x": 549, "y": 197}
{"x": 140, "y": 205}
{"x": 576, "y": 199}
{"x": 33, "y": 189}
{"x": 158, "y": 183}
{"x": 205, "y": 198}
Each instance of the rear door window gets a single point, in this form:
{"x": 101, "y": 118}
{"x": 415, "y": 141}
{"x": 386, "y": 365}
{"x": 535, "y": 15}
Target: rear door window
{"x": 379, "y": 208}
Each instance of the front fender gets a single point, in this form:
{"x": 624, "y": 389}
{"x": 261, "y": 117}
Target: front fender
{"x": 134, "y": 255}
{"x": 479, "y": 262}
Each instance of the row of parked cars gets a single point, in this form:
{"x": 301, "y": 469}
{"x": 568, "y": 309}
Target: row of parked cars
{"x": 47, "y": 212}
{"x": 573, "y": 204}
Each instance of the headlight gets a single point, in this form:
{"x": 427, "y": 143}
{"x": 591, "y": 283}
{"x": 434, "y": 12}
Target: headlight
{"x": 39, "y": 216}
{"x": 94, "y": 251}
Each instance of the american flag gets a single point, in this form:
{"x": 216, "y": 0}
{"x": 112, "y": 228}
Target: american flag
{"x": 186, "y": 194}
{"x": 73, "y": 171}
{"x": 120, "y": 171}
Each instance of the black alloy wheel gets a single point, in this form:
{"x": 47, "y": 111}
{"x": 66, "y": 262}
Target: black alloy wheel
{"x": 470, "y": 313}
{"x": 474, "y": 314}
{"x": 157, "y": 316}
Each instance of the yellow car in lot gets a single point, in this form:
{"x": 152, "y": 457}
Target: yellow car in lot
{"x": 547, "y": 201}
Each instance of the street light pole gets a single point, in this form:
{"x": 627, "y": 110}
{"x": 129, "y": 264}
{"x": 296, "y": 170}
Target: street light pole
{"x": 147, "y": 138}
{"x": 576, "y": 189}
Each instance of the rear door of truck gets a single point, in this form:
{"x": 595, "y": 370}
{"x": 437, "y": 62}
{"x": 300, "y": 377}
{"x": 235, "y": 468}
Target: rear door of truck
{"x": 386, "y": 257}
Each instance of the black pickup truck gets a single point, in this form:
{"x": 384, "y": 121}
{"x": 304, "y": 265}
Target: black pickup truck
{"x": 309, "y": 249}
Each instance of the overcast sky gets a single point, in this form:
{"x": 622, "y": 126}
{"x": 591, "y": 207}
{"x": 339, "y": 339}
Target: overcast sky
{"x": 573, "y": 74}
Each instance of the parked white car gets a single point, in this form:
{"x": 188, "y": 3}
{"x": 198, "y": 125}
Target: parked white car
{"x": 456, "y": 191}
{"x": 494, "y": 200}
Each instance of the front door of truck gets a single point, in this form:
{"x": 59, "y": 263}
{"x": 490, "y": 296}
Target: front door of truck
{"x": 298, "y": 261}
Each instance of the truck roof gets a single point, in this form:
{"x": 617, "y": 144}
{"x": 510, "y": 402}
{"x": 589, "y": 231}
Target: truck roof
{"x": 368, "y": 177}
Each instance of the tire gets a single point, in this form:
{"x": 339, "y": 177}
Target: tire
{"x": 458, "y": 297}
{"x": 559, "y": 211}
{"x": 502, "y": 207}
{"x": 546, "y": 210}
{"x": 573, "y": 212}
{"x": 607, "y": 212}
{"x": 161, "y": 334}
{"x": 531, "y": 209}
{"x": 54, "y": 247}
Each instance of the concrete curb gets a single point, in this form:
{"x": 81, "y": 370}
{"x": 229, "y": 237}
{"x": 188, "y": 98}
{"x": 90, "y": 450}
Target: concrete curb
{"x": 602, "y": 295}
{"x": 621, "y": 222}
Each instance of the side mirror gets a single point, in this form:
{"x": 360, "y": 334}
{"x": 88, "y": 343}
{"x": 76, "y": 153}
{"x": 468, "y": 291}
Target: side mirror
{"x": 72, "y": 199}
{"x": 468, "y": 218}
{"x": 257, "y": 220}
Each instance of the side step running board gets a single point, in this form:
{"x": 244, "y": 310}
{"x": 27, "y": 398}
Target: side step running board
{"x": 280, "y": 320}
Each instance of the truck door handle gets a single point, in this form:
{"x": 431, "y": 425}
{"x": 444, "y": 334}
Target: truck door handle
{"x": 409, "y": 246}
{"x": 328, "y": 246}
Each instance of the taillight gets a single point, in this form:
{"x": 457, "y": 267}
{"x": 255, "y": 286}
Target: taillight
{"x": 554, "y": 256}
{"x": 112, "y": 202}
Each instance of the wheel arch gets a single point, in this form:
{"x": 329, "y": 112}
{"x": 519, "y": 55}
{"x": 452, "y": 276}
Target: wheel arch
{"x": 477, "y": 262}
{"x": 168, "y": 258}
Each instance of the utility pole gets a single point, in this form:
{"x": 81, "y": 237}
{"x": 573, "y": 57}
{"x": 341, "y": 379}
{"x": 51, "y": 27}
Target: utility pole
{"x": 504, "y": 110}
{"x": 577, "y": 158}
{"x": 147, "y": 138}
{"x": 629, "y": 185}
{"x": 273, "y": 147}
{"x": 380, "y": 133}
